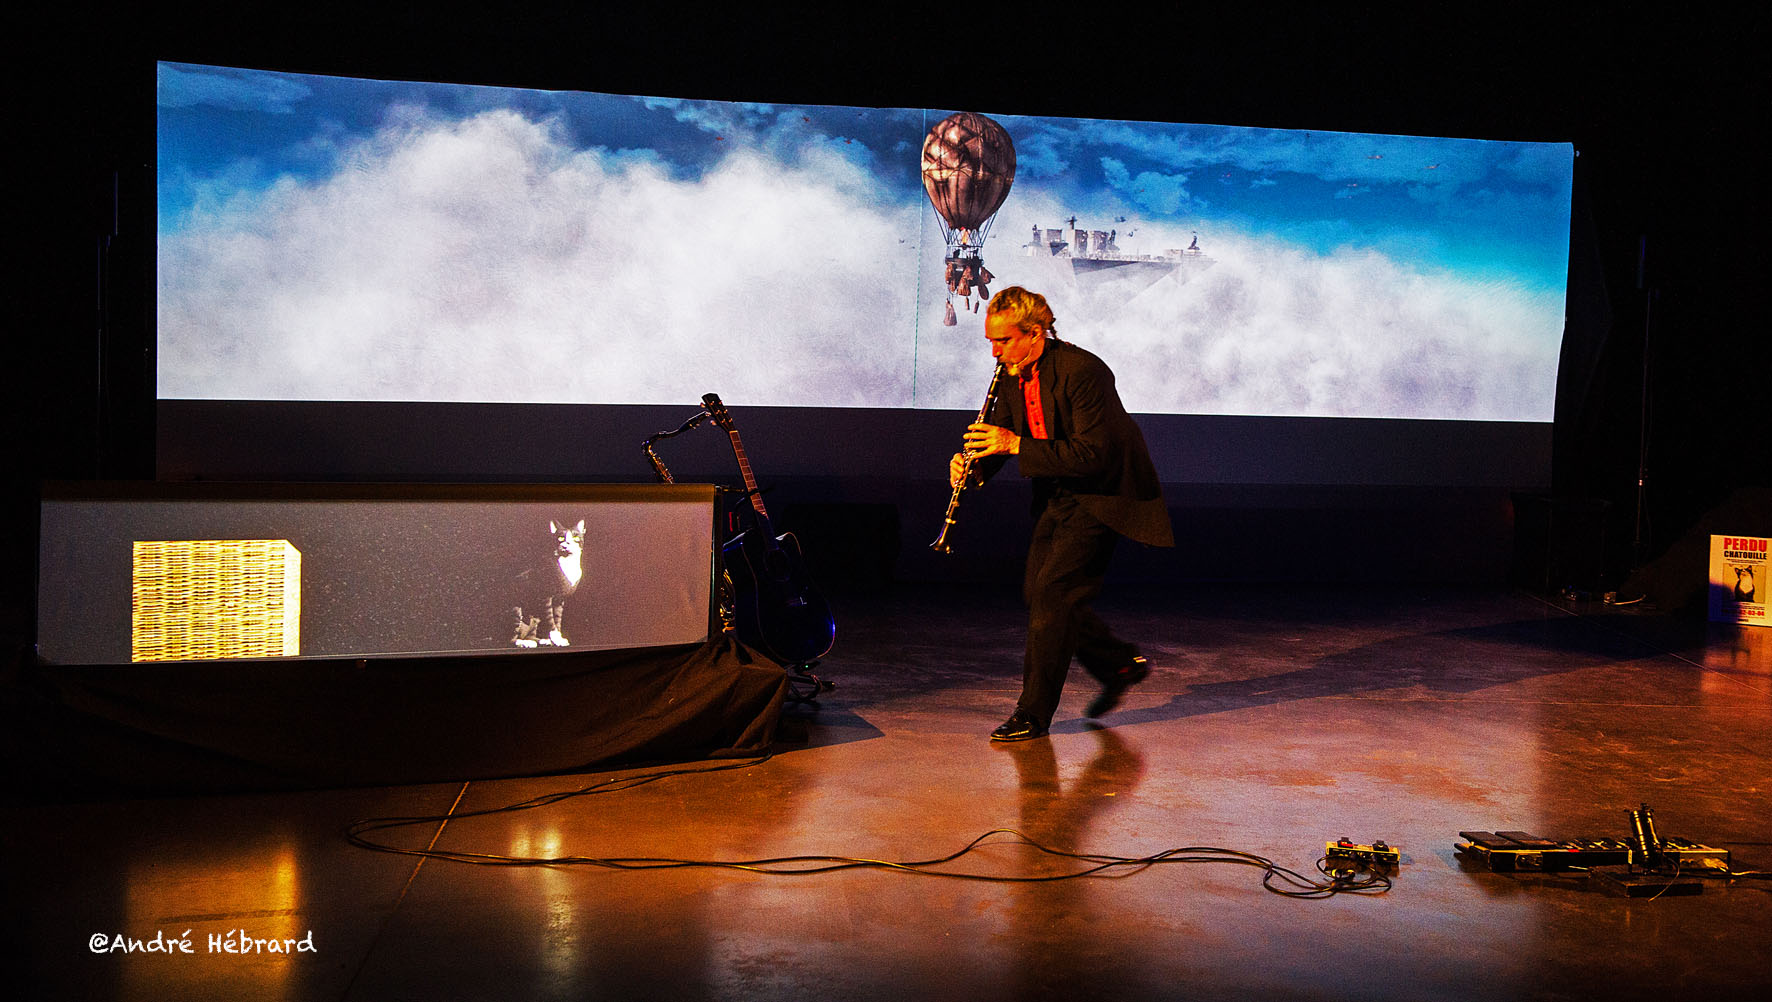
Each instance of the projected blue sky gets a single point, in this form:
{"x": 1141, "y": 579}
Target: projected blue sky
{"x": 327, "y": 238}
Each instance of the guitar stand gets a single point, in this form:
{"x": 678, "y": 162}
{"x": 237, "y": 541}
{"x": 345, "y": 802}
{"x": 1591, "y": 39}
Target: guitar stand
{"x": 803, "y": 686}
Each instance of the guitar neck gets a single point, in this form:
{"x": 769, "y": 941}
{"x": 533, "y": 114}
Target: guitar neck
{"x": 750, "y": 479}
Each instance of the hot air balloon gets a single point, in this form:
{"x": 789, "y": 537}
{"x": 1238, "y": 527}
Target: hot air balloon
{"x": 968, "y": 166}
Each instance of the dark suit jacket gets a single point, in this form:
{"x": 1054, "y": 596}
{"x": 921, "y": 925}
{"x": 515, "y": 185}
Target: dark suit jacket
{"x": 1094, "y": 449}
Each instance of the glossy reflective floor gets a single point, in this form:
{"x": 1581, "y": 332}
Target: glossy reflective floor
{"x": 1275, "y": 719}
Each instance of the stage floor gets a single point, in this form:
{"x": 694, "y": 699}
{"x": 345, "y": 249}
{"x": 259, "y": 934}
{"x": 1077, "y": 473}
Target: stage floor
{"x": 1276, "y": 718}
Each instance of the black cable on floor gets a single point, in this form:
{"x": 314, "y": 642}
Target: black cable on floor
{"x": 1276, "y": 879}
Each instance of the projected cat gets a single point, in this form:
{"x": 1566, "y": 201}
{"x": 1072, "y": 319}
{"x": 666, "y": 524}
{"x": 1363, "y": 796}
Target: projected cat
{"x": 1744, "y": 585}
{"x": 545, "y": 588}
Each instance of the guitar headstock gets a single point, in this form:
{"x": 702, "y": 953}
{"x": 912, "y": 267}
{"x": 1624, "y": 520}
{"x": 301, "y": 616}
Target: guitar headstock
{"x": 711, "y": 404}
{"x": 717, "y": 410}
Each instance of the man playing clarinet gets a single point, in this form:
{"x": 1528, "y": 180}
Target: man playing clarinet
{"x": 1058, "y": 415}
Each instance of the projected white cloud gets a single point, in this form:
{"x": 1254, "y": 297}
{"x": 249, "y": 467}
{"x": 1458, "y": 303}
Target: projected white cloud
{"x": 1272, "y": 330}
{"x": 484, "y": 260}
{"x": 505, "y": 250}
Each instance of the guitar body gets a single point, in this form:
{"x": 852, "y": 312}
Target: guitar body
{"x": 777, "y": 609}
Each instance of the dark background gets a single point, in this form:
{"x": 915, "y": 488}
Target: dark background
{"x": 1667, "y": 113}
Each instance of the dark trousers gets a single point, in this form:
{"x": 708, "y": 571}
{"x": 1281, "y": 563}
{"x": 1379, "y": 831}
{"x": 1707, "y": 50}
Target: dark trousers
{"x": 1067, "y": 561}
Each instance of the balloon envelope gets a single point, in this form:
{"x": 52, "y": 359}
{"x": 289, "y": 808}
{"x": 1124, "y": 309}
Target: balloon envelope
{"x": 968, "y": 166}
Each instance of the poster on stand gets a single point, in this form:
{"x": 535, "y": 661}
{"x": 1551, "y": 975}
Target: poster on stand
{"x": 1738, "y": 579}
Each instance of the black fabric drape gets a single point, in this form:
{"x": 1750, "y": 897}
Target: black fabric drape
{"x": 150, "y": 729}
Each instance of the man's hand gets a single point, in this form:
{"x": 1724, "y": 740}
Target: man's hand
{"x": 990, "y": 440}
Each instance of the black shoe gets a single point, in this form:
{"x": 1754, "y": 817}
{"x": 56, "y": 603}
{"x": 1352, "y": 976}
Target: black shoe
{"x": 1115, "y": 686}
{"x": 1018, "y": 728}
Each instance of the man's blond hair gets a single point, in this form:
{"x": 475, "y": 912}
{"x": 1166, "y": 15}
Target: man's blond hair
{"x": 1026, "y": 310}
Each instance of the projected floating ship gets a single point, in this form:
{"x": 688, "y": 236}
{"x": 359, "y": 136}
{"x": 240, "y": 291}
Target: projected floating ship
{"x": 1096, "y": 264}
{"x": 1096, "y": 279}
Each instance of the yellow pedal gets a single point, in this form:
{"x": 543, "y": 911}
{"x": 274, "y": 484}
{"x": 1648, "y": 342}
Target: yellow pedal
{"x": 1378, "y": 852}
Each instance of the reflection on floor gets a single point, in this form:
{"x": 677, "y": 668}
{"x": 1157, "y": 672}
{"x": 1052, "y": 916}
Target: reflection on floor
{"x": 1274, "y": 720}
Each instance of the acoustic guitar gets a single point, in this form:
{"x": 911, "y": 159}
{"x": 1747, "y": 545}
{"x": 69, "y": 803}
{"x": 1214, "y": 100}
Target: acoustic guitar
{"x": 777, "y": 609}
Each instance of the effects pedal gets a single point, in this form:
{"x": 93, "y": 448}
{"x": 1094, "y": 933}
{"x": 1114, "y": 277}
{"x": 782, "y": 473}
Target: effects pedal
{"x": 1589, "y": 852}
{"x": 1377, "y": 853}
{"x": 1691, "y": 855}
{"x": 1523, "y": 852}
{"x": 1628, "y": 882}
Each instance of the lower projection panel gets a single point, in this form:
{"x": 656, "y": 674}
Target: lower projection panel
{"x": 171, "y": 572}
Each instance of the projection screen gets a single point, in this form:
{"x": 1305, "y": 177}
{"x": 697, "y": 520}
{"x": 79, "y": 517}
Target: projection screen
{"x": 325, "y": 239}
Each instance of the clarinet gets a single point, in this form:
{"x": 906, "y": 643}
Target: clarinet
{"x": 990, "y": 400}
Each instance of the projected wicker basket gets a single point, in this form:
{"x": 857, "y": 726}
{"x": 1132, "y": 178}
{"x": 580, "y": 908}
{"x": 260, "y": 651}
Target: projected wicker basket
{"x": 204, "y": 599}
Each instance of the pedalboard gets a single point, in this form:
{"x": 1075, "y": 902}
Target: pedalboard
{"x": 1523, "y": 852}
{"x": 1644, "y": 865}
{"x": 1378, "y": 853}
